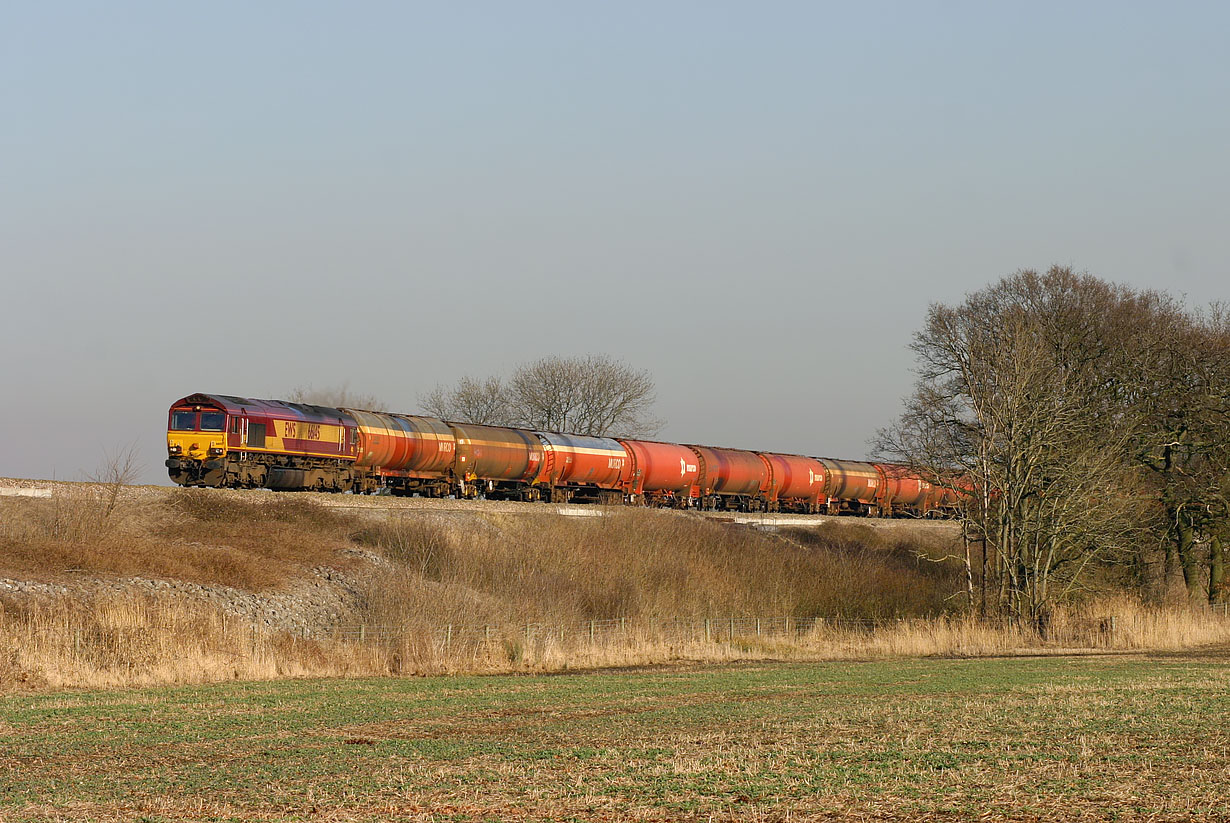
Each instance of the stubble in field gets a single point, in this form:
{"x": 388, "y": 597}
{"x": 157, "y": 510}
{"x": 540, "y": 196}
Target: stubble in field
{"x": 1129, "y": 738}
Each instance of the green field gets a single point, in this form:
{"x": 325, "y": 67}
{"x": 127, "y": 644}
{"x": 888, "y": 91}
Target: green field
{"x": 1126, "y": 737}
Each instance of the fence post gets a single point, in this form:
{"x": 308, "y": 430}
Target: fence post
{"x": 362, "y": 633}
{"x": 448, "y": 636}
{"x": 487, "y": 633}
{"x": 623, "y": 627}
{"x": 758, "y": 627}
{"x": 787, "y": 624}
{"x": 591, "y": 632}
{"x": 730, "y": 637}
{"x": 708, "y": 631}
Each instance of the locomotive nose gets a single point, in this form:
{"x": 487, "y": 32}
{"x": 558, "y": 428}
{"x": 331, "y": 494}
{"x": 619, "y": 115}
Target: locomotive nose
{"x": 192, "y": 448}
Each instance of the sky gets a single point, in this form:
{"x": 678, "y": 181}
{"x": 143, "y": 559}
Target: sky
{"x": 756, "y": 202}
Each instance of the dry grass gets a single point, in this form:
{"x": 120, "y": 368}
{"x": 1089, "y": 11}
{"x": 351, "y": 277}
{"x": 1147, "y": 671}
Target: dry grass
{"x": 129, "y": 640}
{"x": 489, "y": 576}
{"x": 191, "y": 535}
{"x": 646, "y": 564}
{"x": 134, "y": 640}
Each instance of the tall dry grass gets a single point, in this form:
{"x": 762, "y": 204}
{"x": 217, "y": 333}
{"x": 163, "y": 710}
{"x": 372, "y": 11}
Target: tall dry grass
{"x": 135, "y": 640}
{"x": 638, "y": 564}
{"x": 489, "y": 592}
{"x": 131, "y": 640}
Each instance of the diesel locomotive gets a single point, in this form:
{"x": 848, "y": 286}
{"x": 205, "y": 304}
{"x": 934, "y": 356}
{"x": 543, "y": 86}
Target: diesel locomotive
{"x": 219, "y": 440}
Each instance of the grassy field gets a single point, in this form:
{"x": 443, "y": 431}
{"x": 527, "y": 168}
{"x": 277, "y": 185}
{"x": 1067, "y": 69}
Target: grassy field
{"x": 1119, "y": 737}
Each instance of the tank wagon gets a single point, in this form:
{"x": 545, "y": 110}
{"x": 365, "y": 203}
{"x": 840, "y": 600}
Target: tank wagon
{"x": 216, "y": 440}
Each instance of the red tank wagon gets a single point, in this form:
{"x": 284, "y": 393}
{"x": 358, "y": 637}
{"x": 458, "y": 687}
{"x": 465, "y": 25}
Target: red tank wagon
{"x": 659, "y": 473}
{"x": 903, "y": 492}
{"x": 496, "y": 461}
{"x": 731, "y": 478}
{"x": 852, "y": 486}
{"x": 580, "y": 468}
{"x": 407, "y": 454}
{"x": 796, "y": 483}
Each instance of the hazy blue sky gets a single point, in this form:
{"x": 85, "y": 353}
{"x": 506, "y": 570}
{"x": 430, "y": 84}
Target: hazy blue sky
{"x": 756, "y": 201}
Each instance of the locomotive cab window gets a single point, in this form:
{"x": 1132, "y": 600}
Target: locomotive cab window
{"x": 213, "y": 421}
{"x": 183, "y": 421}
{"x": 234, "y": 425}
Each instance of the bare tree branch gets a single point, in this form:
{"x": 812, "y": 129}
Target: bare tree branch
{"x": 592, "y": 395}
{"x": 337, "y": 397}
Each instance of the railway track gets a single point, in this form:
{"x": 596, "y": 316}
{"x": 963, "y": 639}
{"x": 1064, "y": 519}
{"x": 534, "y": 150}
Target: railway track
{"x": 27, "y": 488}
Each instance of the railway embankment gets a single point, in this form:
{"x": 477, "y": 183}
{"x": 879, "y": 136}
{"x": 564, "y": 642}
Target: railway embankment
{"x": 116, "y": 585}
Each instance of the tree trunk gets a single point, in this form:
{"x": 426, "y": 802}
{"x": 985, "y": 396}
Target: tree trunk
{"x": 1217, "y": 572}
{"x": 969, "y": 567}
{"x": 1185, "y": 544}
{"x": 985, "y": 570}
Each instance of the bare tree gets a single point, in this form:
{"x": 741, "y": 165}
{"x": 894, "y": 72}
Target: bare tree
{"x": 338, "y": 397}
{"x": 1024, "y": 403}
{"x": 1184, "y": 444}
{"x": 470, "y": 401}
{"x": 592, "y": 395}
{"x": 119, "y": 468}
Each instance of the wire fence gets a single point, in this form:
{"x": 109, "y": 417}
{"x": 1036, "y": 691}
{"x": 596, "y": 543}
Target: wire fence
{"x": 1097, "y": 631}
{"x": 1219, "y": 609}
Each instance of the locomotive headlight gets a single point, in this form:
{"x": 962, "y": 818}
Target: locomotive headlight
{"x": 215, "y": 451}
{"x": 176, "y": 449}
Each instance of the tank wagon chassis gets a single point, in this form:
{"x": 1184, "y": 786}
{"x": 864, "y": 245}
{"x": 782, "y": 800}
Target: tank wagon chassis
{"x": 224, "y": 441}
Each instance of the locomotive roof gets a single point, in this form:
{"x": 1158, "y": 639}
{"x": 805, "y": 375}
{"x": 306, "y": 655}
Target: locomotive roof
{"x": 276, "y": 408}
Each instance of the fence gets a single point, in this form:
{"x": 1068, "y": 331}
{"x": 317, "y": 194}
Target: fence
{"x": 694, "y": 629}
{"x": 1093, "y": 632}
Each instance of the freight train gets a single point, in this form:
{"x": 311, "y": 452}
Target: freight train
{"x": 223, "y": 441}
